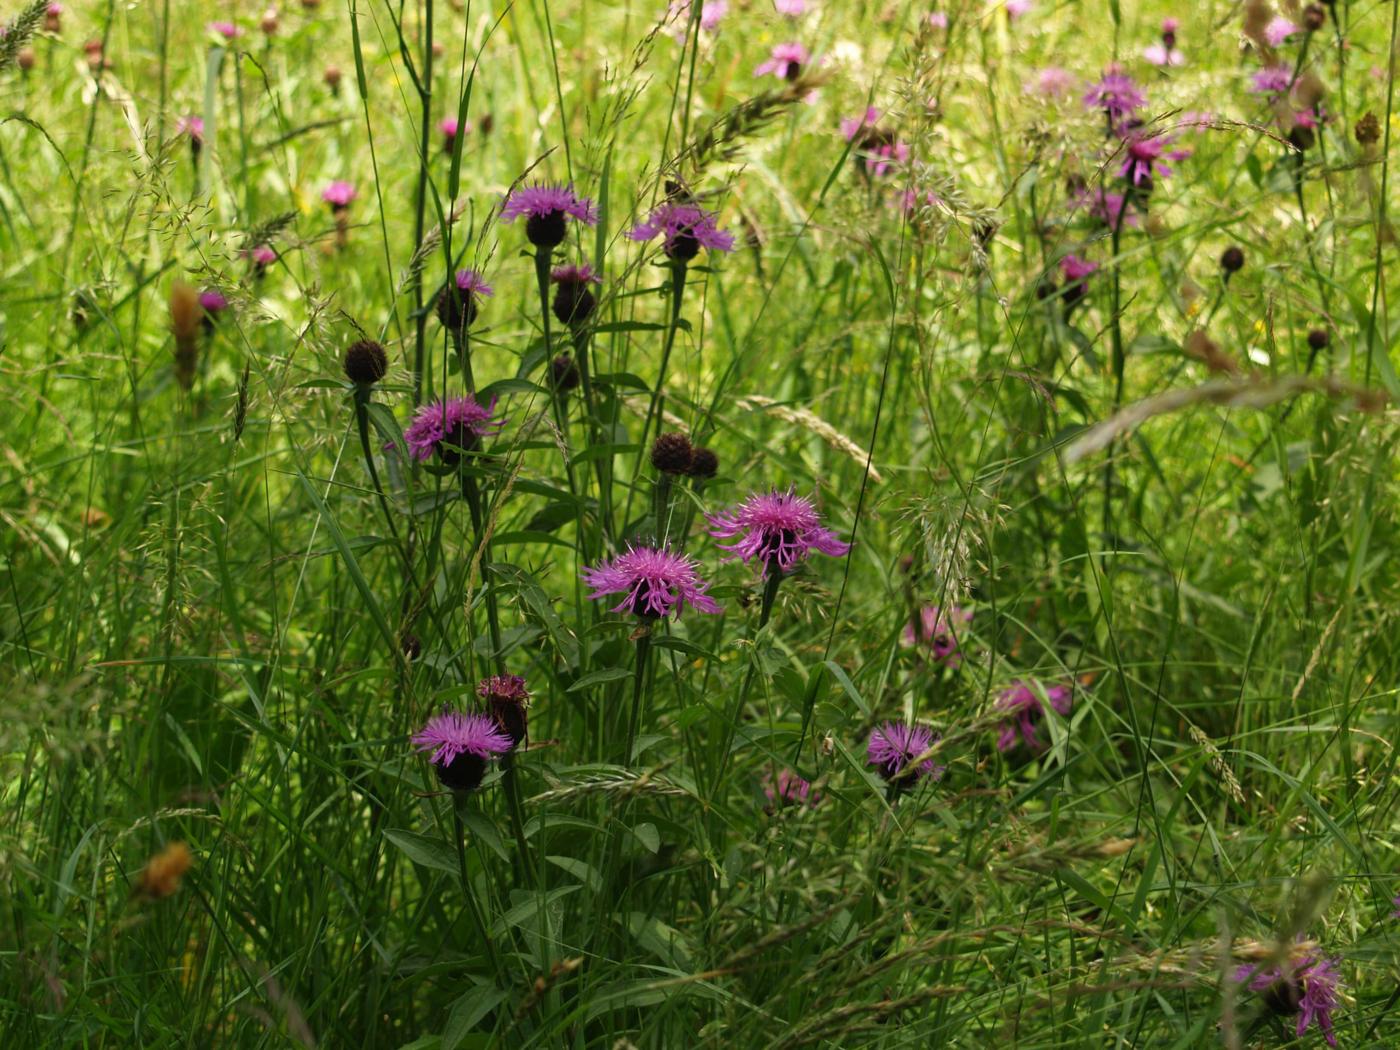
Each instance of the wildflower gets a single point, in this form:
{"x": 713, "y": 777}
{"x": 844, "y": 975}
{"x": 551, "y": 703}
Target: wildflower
{"x": 1165, "y": 53}
{"x": 1318, "y": 339}
{"x": 227, "y": 30}
{"x": 1395, "y": 903}
{"x": 1023, "y": 708}
{"x": 449, "y": 128}
{"x": 778, "y": 529}
{"x": 671, "y": 453}
{"x": 1315, "y": 17}
{"x": 678, "y": 15}
{"x": 1368, "y": 129}
{"x": 1051, "y": 82}
{"x": 546, "y": 209}
{"x": 213, "y": 301}
{"x": 53, "y": 18}
{"x": 790, "y": 8}
{"x": 163, "y": 873}
{"x": 1116, "y": 94}
{"x": 1307, "y": 988}
{"x": 788, "y": 789}
{"x": 1016, "y": 8}
{"x": 461, "y": 745}
{"x": 331, "y": 78}
{"x": 1271, "y": 81}
{"x": 506, "y": 699}
{"x": 457, "y": 306}
{"x": 785, "y": 62}
{"x": 1145, "y": 160}
{"x": 685, "y": 229}
{"x": 450, "y": 427}
{"x": 339, "y": 195}
{"x": 563, "y": 373}
{"x": 1232, "y": 259}
{"x": 895, "y": 745}
{"x": 654, "y": 582}
{"x": 937, "y": 631}
{"x": 270, "y": 22}
{"x": 704, "y": 464}
{"x": 25, "y": 58}
{"x": 262, "y": 257}
{"x": 574, "y": 301}
{"x": 365, "y": 362}
{"x": 880, "y": 149}
{"x": 1279, "y": 30}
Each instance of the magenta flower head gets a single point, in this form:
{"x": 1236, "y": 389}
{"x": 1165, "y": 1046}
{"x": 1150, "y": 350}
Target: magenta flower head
{"x": 213, "y": 301}
{"x": 853, "y": 126}
{"x": 574, "y": 301}
{"x": 449, "y": 128}
{"x": 790, "y": 8}
{"x": 1116, "y": 94}
{"x": 450, "y": 428}
{"x": 506, "y": 700}
{"x": 1106, "y": 207}
{"x": 1146, "y": 159}
{"x": 894, "y": 746}
{"x": 193, "y": 126}
{"x": 263, "y": 256}
{"x": 654, "y": 583}
{"x": 461, "y": 745}
{"x": 938, "y": 633}
{"x": 1016, "y": 8}
{"x": 53, "y": 18}
{"x": 457, "y": 305}
{"x": 678, "y": 15}
{"x": 785, "y": 62}
{"x": 1279, "y": 30}
{"x": 546, "y": 209}
{"x": 1307, "y": 988}
{"x": 778, "y": 529}
{"x": 1021, "y": 705}
{"x": 339, "y": 195}
{"x": 685, "y": 229}
{"x": 788, "y": 789}
{"x": 1076, "y": 272}
{"x": 1051, "y": 82}
{"x": 1271, "y": 81}
{"x": 227, "y": 30}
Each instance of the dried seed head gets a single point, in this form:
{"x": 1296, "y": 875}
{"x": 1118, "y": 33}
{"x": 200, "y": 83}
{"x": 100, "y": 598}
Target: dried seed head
{"x": 1232, "y": 259}
{"x": 671, "y": 453}
{"x": 1314, "y": 17}
{"x": 704, "y": 464}
{"x": 1318, "y": 339}
{"x": 1368, "y": 129}
{"x": 564, "y": 373}
{"x": 366, "y": 362}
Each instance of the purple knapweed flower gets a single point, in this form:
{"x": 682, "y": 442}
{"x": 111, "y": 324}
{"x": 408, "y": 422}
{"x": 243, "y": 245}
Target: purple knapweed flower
{"x": 778, "y": 529}
{"x": 449, "y": 128}
{"x": 1161, "y": 55}
{"x": 339, "y": 194}
{"x": 1271, "y": 81}
{"x": 227, "y": 30}
{"x": 894, "y": 745}
{"x": 458, "y": 422}
{"x": 678, "y": 14}
{"x": 1116, "y": 94}
{"x": 1307, "y": 988}
{"x": 938, "y": 19}
{"x": 685, "y": 229}
{"x": 1051, "y": 82}
{"x": 1106, "y": 207}
{"x": 654, "y": 583}
{"x": 471, "y": 282}
{"x": 213, "y": 301}
{"x": 506, "y": 701}
{"x": 546, "y": 209}
{"x": 1076, "y": 269}
{"x": 853, "y": 126}
{"x": 1146, "y": 159}
{"x": 1279, "y": 30}
{"x": 461, "y": 745}
{"x": 1016, "y": 8}
{"x": 788, "y": 789}
{"x": 938, "y": 633}
{"x": 263, "y": 256}
{"x": 191, "y": 125}
{"x": 1022, "y": 705}
{"x": 785, "y": 62}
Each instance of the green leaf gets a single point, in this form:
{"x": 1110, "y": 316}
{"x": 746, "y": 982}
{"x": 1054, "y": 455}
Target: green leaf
{"x": 467, "y": 1012}
{"x": 431, "y": 853}
{"x": 607, "y": 674}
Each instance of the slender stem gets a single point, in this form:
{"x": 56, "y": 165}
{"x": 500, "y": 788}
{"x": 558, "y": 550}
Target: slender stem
{"x": 472, "y": 494}
{"x": 473, "y": 907}
{"x": 462, "y": 341}
{"x": 772, "y": 581}
{"x": 658, "y": 398}
{"x": 420, "y": 197}
{"x": 1115, "y": 322}
{"x": 582, "y": 350}
{"x": 634, "y": 719}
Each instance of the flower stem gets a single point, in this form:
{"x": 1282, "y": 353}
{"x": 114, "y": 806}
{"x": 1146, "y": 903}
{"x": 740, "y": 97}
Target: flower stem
{"x": 478, "y": 920}
{"x": 772, "y": 580}
{"x": 656, "y": 410}
{"x": 634, "y": 719}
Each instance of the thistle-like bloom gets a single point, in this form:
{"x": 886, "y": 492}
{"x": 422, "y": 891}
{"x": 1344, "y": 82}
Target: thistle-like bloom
{"x": 457, "y": 309}
{"x": 193, "y": 126}
{"x": 853, "y": 126}
{"x": 778, "y": 529}
{"x": 445, "y": 427}
{"x": 1116, "y": 94}
{"x": 879, "y": 149}
{"x": 574, "y": 301}
{"x": 227, "y": 30}
{"x": 506, "y": 699}
{"x": 1308, "y": 988}
{"x": 1016, "y": 8}
{"x": 791, "y": 8}
{"x": 449, "y": 128}
{"x": 678, "y": 15}
{"x": 1146, "y": 159}
{"x": 894, "y": 745}
{"x": 654, "y": 583}
{"x": 1076, "y": 269}
{"x": 785, "y": 62}
{"x": 1271, "y": 81}
{"x": 339, "y": 194}
{"x": 938, "y": 633}
{"x": 1279, "y": 30}
{"x": 685, "y": 229}
{"x": 938, "y": 20}
{"x": 1023, "y": 709}
{"x": 1051, "y": 82}
{"x": 1161, "y": 55}
{"x": 546, "y": 209}
{"x": 788, "y": 789}
{"x": 263, "y": 256}
{"x": 461, "y": 745}
{"x": 213, "y": 301}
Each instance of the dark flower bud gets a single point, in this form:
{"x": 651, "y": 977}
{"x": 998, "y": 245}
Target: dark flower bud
{"x": 704, "y": 464}
{"x": 1314, "y": 17}
{"x": 1302, "y": 137}
{"x": 506, "y": 701}
{"x": 573, "y": 302}
{"x": 1232, "y": 259}
{"x": 456, "y": 309}
{"x": 332, "y": 78}
{"x": 485, "y": 123}
{"x": 671, "y": 454}
{"x": 564, "y": 373}
{"x": 366, "y": 362}
{"x": 1368, "y": 129}
{"x": 1318, "y": 339}
{"x": 1045, "y": 288}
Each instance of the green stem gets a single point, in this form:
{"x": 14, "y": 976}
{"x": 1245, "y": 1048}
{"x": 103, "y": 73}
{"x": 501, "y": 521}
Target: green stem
{"x": 634, "y": 719}
{"x": 478, "y": 920}
{"x": 472, "y": 494}
{"x": 772, "y": 581}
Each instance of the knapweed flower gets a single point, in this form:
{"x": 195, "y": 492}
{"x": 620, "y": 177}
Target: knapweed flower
{"x": 894, "y": 745}
{"x": 1165, "y": 53}
{"x": 506, "y": 700}
{"x": 1051, "y": 82}
{"x": 1116, "y": 94}
{"x": 1022, "y": 705}
{"x": 1307, "y": 988}
{"x": 1076, "y": 272}
{"x": 457, "y": 306}
{"x": 227, "y": 30}
{"x": 339, "y": 195}
{"x": 449, "y": 128}
{"x": 678, "y": 15}
{"x": 785, "y": 62}
{"x": 938, "y": 633}
{"x": 1106, "y": 207}
{"x": 654, "y": 583}
{"x": 445, "y": 427}
{"x": 938, "y": 19}
{"x": 684, "y": 229}
{"x": 262, "y": 257}
{"x": 53, "y": 18}
{"x": 574, "y": 301}
{"x": 1146, "y": 159}
{"x": 1279, "y": 30}
{"x": 213, "y": 301}
{"x": 193, "y": 126}
{"x": 461, "y": 745}
{"x": 1271, "y": 81}
{"x": 788, "y": 789}
{"x": 546, "y": 209}
{"x": 1016, "y": 8}
{"x": 777, "y": 529}
{"x": 879, "y": 149}
{"x": 366, "y": 362}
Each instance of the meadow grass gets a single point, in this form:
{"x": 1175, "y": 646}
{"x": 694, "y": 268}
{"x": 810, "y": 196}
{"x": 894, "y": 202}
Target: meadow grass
{"x": 1077, "y": 727}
